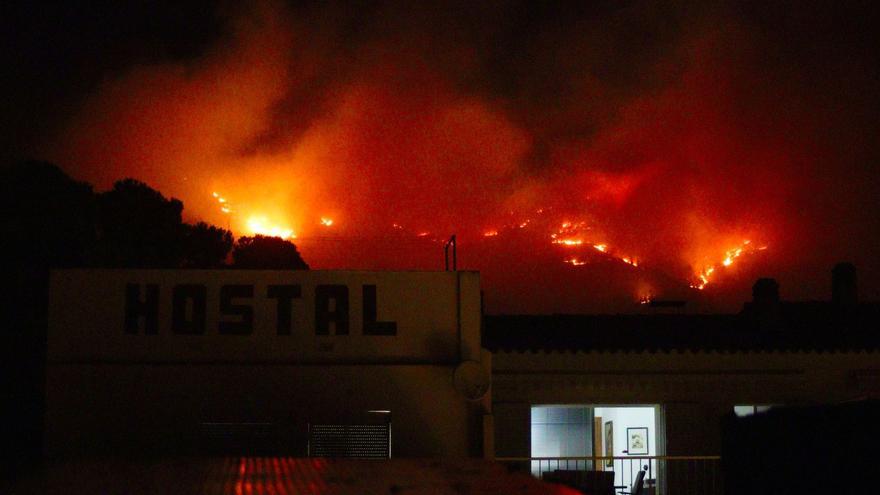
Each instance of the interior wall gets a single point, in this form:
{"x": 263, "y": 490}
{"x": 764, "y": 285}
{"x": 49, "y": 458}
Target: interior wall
{"x": 621, "y": 419}
{"x": 629, "y": 417}
{"x": 561, "y": 431}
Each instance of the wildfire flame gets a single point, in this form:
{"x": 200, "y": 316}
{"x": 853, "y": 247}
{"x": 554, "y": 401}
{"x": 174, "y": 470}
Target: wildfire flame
{"x": 569, "y": 235}
{"x": 225, "y": 207}
{"x": 704, "y": 277}
{"x": 261, "y": 225}
{"x": 568, "y": 242}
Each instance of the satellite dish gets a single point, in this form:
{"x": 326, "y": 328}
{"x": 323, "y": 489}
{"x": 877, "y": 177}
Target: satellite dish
{"x": 471, "y": 380}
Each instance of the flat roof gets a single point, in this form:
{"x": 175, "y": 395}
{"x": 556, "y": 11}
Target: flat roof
{"x": 808, "y": 326}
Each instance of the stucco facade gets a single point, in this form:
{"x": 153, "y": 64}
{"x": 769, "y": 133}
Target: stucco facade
{"x": 117, "y": 381}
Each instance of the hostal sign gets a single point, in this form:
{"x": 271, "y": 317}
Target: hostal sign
{"x": 257, "y": 316}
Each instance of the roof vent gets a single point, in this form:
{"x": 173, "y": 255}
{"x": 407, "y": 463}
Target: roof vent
{"x": 844, "y": 291}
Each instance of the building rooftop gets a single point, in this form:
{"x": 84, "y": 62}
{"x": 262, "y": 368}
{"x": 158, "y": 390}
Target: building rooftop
{"x": 785, "y": 326}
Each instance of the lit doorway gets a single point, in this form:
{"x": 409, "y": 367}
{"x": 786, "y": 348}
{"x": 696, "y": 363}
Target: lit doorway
{"x": 626, "y": 432}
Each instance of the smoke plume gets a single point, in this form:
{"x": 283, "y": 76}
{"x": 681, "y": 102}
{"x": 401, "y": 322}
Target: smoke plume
{"x": 671, "y": 134}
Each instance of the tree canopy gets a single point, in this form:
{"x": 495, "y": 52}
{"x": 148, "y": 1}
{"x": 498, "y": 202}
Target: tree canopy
{"x": 205, "y": 246}
{"x": 47, "y": 218}
{"x": 271, "y": 253}
{"x": 138, "y": 227}
{"x": 53, "y": 221}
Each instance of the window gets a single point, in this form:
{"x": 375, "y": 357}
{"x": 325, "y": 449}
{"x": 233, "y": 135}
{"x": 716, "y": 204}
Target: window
{"x": 748, "y": 410}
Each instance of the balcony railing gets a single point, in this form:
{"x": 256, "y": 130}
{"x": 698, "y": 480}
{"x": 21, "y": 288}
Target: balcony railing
{"x": 666, "y": 475}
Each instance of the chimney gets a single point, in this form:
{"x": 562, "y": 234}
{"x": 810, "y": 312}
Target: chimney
{"x": 765, "y": 292}
{"x": 843, "y": 285}
{"x": 765, "y": 307}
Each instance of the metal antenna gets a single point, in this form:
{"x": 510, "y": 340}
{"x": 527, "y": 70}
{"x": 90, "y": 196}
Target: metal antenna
{"x": 451, "y": 242}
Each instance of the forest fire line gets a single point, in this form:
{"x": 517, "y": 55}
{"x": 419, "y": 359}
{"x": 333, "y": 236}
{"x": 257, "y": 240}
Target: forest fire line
{"x": 568, "y": 235}
{"x": 704, "y": 277}
{"x": 701, "y": 279}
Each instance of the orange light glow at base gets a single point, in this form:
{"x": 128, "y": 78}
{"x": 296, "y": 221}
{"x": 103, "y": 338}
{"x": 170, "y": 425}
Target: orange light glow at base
{"x": 261, "y": 225}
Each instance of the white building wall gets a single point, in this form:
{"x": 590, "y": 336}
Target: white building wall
{"x": 111, "y": 388}
{"x": 696, "y": 389}
{"x": 137, "y": 407}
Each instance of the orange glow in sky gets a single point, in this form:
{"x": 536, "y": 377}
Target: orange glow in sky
{"x": 261, "y": 225}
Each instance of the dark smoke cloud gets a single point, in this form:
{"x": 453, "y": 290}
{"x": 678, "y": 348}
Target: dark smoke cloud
{"x": 674, "y": 129}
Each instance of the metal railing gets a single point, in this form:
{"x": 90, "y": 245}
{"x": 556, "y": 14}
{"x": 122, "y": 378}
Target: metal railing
{"x": 666, "y": 475}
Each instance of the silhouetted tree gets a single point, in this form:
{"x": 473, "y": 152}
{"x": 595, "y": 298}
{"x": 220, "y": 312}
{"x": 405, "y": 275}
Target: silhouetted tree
{"x": 139, "y": 228}
{"x": 262, "y": 252}
{"x": 205, "y": 246}
{"x": 46, "y": 221}
{"x": 47, "y": 218}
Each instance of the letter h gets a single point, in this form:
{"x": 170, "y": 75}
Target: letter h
{"x": 146, "y": 309}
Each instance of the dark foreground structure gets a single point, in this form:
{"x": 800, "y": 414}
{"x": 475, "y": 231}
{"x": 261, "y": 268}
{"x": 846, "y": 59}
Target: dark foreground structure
{"x": 796, "y": 450}
{"x": 570, "y": 391}
{"x": 285, "y": 363}
{"x": 282, "y": 476}
{"x": 153, "y": 365}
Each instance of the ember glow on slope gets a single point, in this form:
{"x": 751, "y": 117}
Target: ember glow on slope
{"x": 568, "y": 235}
{"x": 384, "y": 137}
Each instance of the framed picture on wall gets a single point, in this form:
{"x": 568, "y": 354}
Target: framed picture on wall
{"x": 609, "y": 444}
{"x": 637, "y": 441}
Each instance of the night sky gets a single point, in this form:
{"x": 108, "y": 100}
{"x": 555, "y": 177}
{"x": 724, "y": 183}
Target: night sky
{"x": 670, "y": 135}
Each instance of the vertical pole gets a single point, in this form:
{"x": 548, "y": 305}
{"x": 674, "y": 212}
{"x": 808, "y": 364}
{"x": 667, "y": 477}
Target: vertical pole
{"x": 451, "y": 242}
{"x": 454, "y": 254}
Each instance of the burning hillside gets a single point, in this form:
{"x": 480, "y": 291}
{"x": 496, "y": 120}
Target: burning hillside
{"x": 637, "y": 170}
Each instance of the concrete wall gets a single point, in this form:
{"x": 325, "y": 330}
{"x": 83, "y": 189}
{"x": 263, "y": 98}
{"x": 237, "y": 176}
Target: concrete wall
{"x": 104, "y": 407}
{"x": 512, "y": 429}
{"x": 181, "y": 316}
{"x": 114, "y": 389}
{"x": 695, "y": 389}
